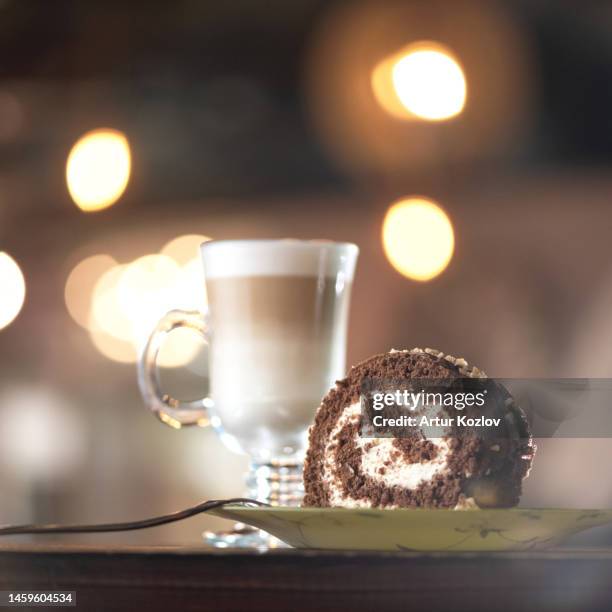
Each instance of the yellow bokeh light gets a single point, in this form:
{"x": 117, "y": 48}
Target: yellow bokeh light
{"x": 430, "y": 84}
{"x": 184, "y": 249}
{"x": 128, "y": 300}
{"x": 109, "y": 329}
{"x": 111, "y": 347}
{"x": 106, "y": 312}
{"x": 12, "y": 289}
{"x": 189, "y": 290}
{"x": 423, "y": 81}
{"x": 98, "y": 169}
{"x": 418, "y": 238}
{"x": 150, "y": 287}
{"x": 384, "y": 91}
{"x": 145, "y": 289}
{"x": 80, "y": 285}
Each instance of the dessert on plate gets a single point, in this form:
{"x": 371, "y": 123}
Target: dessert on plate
{"x": 459, "y": 467}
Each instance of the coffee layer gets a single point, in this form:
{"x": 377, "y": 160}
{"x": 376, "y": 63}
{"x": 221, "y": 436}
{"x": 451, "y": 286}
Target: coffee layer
{"x": 277, "y": 345}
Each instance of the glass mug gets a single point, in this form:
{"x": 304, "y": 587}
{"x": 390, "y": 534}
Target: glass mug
{"x": 276, "y": 326}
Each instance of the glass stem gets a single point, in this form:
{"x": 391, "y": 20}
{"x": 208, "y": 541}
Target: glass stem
{"x": 277, "y": 482}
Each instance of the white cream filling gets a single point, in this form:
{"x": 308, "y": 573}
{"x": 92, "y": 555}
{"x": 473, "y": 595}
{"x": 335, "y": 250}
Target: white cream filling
{"x": 375, "y": 452}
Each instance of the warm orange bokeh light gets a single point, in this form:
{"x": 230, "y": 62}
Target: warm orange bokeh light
{"x": 128, "y": 300}
{"x": 80, "y": 285}
{"x": 184, "y": 249}
{"x": 98, "y": 169}
{"x": 423, "y": 81}
{"x": 120, "y": 304}
{"x": 418, "y": 238}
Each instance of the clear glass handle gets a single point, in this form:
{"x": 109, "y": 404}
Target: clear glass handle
{"x": 169, "y": 410}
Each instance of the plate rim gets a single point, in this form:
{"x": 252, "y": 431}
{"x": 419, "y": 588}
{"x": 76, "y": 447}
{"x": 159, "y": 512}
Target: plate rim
{"x": 298, "y": 509}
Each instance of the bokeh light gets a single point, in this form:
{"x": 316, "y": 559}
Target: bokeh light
{"x": 107, "y": 314}
{"x": 113, "y": 348}
{"x": 423, "y": 81}
{"x": 42, "y": 436}
{"x": 120, "y": 304}
{"x": 190, "y": 290}
{"x": 430, "y": 83}
{"x": 12, "y": 289}
{"x": 384, "y": 90}
{"x": 145, "y": 290}
{"x": 418, "y": 238}
{"x": 184, "y": 249}
{"x": 80, "y": 285}
{"x": 150, "y": 287}
{"x": 98, "y": 169}
{"x": 128, "y": 300}
{"x": 110, "y": 330}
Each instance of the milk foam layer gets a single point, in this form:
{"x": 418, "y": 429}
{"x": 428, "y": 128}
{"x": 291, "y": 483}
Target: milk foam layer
{"x": 238, "y": 258}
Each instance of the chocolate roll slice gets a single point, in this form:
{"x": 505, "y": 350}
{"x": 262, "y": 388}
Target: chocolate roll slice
{"x": 462, "y": 468}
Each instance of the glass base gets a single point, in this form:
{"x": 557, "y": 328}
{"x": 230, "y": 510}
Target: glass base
{"x": 278, "y": 483}
{"x": 243, "y": 536}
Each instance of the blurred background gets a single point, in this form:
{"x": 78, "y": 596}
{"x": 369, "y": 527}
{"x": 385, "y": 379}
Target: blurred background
{"x": 465, "y": 146}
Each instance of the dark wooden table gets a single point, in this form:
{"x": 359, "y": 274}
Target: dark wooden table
{"x": 184, "y": 579}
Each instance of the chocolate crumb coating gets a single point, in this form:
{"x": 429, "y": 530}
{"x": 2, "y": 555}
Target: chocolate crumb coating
{"x": 474, "y": 470}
